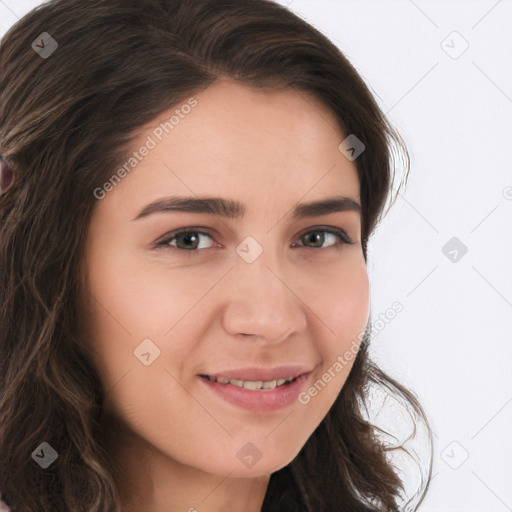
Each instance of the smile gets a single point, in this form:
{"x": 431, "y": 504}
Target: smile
{"x": 258, "y": 385}
{"x": 261, "y": 396}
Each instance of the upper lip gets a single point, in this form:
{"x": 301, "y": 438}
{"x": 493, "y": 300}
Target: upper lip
{"x": 262, "y": 374}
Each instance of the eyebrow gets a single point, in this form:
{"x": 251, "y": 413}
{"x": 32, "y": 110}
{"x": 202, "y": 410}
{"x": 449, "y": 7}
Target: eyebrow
{"x": 236, "y": 210}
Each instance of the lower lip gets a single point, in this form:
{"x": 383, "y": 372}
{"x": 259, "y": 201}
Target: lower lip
{"x": 259, "y": 401}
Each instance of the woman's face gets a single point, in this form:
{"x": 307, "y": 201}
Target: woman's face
{"x": 254, "y": 293}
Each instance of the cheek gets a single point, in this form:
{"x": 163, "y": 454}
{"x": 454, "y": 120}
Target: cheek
{"x": 131, "y": 300}
{"x": 340, "y": 298}
{"x": 143, "y": 297}
{"x": 348, "y": 302}
{"x": 342, "y": 305}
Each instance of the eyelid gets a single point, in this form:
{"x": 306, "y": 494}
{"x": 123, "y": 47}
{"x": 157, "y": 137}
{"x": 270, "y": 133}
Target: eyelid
{"x": 163, "y": 242}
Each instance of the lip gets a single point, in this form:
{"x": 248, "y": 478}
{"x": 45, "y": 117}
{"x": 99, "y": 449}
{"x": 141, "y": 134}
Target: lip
{"x": 259, "y": 401}
{"x": 264, "y": 374}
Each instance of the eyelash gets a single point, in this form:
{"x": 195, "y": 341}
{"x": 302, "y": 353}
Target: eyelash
{"x": 164, "y": 243}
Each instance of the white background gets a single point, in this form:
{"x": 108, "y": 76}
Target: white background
{"x": 452, "y": 343}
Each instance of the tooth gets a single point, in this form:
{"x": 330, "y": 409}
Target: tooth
{"x": 253, "y": 384}
{"x": 270, "y": 385}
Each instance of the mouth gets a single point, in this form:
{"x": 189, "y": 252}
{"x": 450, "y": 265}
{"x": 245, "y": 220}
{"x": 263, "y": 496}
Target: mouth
{"x": 253, "y": 385}
{"x": 258, "y": 390}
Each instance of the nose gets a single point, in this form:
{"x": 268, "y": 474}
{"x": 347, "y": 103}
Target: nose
{"x": 262, "y": 302}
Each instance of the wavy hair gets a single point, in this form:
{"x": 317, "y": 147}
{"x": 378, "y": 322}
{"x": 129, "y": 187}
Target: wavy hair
{"x": 66, "y": 122}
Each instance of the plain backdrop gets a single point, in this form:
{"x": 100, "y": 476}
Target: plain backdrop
{"x": 441, "y": 71}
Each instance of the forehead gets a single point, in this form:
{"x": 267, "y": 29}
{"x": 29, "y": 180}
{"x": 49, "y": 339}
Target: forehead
{"x": 264, "y": 147}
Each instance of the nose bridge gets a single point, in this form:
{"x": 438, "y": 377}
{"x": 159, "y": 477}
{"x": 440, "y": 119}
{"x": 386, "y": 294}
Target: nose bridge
{"x": 261, "y": 302}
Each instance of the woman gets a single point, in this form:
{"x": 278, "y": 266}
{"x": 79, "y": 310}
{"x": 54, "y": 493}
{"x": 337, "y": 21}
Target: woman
{"x": 188, "y": 190}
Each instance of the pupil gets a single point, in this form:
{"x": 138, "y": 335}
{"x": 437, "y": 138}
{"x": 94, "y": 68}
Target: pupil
{"x": 187, "y": 239}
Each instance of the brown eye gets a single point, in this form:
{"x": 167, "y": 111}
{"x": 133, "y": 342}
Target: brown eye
{"x": 185, "y": 240}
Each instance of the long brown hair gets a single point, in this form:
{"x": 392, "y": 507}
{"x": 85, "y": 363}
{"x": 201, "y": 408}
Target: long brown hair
{"x": 66, "y": 122}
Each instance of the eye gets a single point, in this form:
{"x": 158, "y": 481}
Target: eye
{"x": 186, "y": 240}
{"x": 337, "y": 237}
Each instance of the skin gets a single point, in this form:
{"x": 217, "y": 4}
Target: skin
{"x": 207, "y": 309}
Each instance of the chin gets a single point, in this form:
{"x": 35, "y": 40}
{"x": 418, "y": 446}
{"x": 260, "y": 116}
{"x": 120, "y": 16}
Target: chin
{"x": 250, "y": 469}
